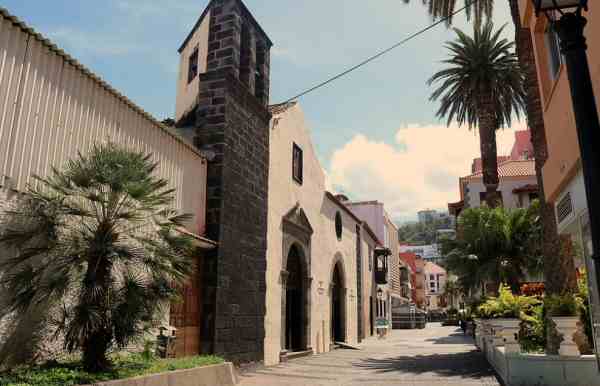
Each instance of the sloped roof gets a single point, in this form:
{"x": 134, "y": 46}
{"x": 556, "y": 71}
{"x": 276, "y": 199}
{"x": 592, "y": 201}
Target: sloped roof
{"x": 477, "y": 165}
{"x": 281, "y": 107}
{"x": 513, "y": 168}
{"x": 102, "y": 83}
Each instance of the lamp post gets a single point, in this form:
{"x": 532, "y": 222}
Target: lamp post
{"x": 573, "y": 45}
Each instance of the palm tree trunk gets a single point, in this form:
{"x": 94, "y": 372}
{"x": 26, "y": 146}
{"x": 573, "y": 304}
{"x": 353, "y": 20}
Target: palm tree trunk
{"x": 97, "y": 342}
{"x": 559, "y": 270}
{"x": 489, "y": 153}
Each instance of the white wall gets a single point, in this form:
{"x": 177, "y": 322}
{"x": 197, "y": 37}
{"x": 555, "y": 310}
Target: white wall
{"x": 284, "y": 193}
{"x": 187, "y": 93}
{"x": 507, "y": 185}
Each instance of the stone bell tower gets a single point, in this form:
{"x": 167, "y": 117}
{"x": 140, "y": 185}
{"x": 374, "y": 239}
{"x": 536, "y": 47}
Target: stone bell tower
{"x": 222, "y": 105}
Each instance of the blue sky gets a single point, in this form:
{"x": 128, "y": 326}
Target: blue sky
{"x": 375, "y": 130}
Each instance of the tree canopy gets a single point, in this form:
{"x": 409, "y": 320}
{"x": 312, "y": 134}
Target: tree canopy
{"x": 495, "y": 246}
{"x": 92, "y": 257}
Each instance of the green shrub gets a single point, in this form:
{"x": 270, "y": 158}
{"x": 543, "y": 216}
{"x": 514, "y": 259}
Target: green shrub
{"x": 532, "y": 332}
{"x": 561, "y": 305}
{"x": 506, "y": 305}
{"x": 72, "y": 373}
{"x": 584, "y": 308}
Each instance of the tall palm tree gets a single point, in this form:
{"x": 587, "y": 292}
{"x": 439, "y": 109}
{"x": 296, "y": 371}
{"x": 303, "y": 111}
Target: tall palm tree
{"x": 482, "y": 87}
{"x": 559, "y": 271}
{"x": 95, "y": 257}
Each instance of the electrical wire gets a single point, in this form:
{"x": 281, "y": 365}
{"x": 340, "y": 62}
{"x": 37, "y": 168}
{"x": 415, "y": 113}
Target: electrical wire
{"x": 380, "y": 54}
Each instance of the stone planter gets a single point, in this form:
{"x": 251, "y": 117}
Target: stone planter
{"x": 509, "y": 334}
{"x": 566, "y": 326}
{"x": 497, "y": 325}
{"x": 486, "y": 337}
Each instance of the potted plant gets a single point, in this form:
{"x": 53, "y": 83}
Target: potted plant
{"x": 505, "y": 312}
{"x": 562, "y": 309}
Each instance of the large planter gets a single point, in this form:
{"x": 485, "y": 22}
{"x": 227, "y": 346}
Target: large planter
{"x": 497, "y": 325}
{"x": 509, "y": 330}
{"x": 487, "y": 336}
{"x": 566, "y": 326}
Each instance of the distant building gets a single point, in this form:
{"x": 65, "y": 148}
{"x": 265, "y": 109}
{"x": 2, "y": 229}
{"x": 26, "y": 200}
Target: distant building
{"x": 518, "y": 181}
{"x": 375, "y": 215}
{"x": 417, "y": 280}
{"x": 426, "y": 216}
{"x": 429, "y": 252}
{"x": 517, "y": 188}
{"x": 435, "y": 284}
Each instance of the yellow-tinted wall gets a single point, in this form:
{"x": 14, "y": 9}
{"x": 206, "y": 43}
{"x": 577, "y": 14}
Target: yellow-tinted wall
{"x": 563, "y": 146}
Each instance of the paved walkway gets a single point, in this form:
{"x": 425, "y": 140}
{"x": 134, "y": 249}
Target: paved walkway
{"x": 435, "y": 356}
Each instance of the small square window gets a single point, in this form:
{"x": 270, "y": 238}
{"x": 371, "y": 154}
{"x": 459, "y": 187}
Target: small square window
{"x": 297, "y": 167}
{"x": 193, "y": 65}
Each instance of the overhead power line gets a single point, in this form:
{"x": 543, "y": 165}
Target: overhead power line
{"x": 379, "y": 54}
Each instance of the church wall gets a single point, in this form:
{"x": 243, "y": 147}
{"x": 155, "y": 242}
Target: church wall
{"x": 187, "y": 92}
{"x": 284, "y": 193}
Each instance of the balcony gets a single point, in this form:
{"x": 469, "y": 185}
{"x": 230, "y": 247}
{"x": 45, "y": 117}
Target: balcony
{"x": 404, "y": 275}
{"x": 381, "y": 277}
{"x": 381, "y": 265}
{"x": 405, "y": 291}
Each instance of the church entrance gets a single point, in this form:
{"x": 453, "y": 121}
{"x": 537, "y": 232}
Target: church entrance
{"x": 294, "y": 300}
{"x": 338, "y": 300}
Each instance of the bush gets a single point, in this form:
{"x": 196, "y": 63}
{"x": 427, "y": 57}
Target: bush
{"x": 73, "y": 373}
{"x": 561, "y": 305}
{"x": 584, "y": 308}
{"x": 506, "y": 305}
{"x": 532, "y": 333}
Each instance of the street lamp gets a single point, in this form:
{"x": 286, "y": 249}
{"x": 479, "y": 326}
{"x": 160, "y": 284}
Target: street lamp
{"x": 554, "y": 5}
{"x": 573, "y": 45}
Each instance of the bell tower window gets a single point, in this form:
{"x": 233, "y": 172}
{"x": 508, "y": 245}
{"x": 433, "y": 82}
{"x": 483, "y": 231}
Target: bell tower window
{"x": 193, "y": 65}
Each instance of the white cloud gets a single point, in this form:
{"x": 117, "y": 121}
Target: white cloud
{"x": 419, "y": 170}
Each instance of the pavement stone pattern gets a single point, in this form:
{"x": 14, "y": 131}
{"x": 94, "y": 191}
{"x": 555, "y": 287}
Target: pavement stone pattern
{"x": 435, "y": 356}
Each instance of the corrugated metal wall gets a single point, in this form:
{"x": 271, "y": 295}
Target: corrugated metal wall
{"x": 51, "y": 107}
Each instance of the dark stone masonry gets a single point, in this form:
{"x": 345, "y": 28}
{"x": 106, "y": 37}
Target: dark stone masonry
{"x": 232, "y": 121}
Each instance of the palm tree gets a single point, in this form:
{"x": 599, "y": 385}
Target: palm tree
{"x": 96, "y": 257}
{"x": 497, "y": 246}
{"x": 559, "y": 271}
{"x": 482, "y": 86}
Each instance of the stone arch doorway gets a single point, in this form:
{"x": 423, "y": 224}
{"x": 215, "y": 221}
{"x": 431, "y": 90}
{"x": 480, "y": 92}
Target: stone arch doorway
{"x": 338, "y": 304}
{"x": 296, "y": 284}
{"x": 295, "y": 297}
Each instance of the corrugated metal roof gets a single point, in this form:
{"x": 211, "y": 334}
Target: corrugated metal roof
{"x": 516, "y": 168}
{"x": 53, "y": 47}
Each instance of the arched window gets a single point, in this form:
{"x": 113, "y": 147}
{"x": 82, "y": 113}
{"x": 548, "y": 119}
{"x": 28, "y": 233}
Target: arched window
{"x": 338, "y": 225}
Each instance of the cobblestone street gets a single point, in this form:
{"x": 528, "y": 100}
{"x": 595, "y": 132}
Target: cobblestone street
{"x": 438, "y": 356}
